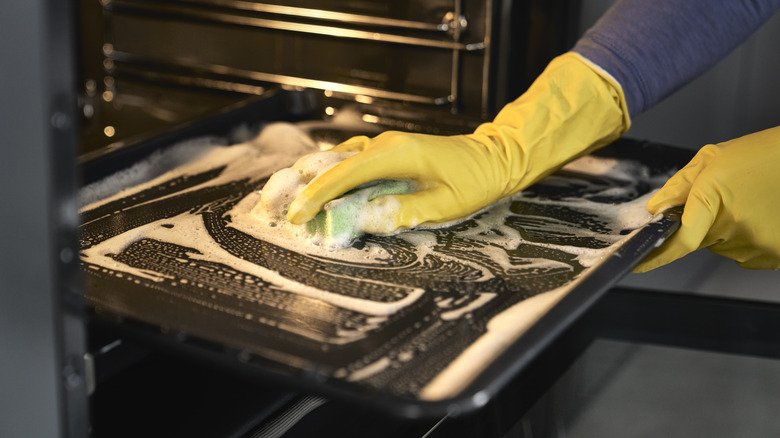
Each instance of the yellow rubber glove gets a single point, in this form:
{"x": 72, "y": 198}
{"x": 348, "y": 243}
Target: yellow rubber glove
{"x": 572, "y": 108}
{"x": 731, "y": 193}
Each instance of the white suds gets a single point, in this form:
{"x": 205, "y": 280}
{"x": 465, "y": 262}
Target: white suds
{"x": 261, "y": 215}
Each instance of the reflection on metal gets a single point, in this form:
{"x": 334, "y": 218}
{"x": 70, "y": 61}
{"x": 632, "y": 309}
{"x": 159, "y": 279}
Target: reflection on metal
{"x": 90, "y": 380}
{"x": 370, "y": 118}
{"x": 338, "y": 32}
{"x": 324, "y": 15}
{"x": 118, "y": 56}
{"x": 444, "y": 35}
{"x": 456, "y": 62}
{"x": 194, "y": 81}
{"x": 486, "y": 60}
{"x": 364, "y": 99}
{"x": 454, "y": 21}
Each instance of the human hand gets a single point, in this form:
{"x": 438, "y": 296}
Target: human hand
{"x": 731, "y": 193}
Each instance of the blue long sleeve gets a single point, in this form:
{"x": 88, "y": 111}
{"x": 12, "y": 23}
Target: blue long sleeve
{"x": 655, "y": 47}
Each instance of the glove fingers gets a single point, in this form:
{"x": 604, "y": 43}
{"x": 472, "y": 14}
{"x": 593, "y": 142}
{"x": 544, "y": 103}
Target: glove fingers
{"x": 426, "y": 207}
{"x": 676, "y": 190}
{"x": 697, "y": 219}
{"x": 386, "y": 214}
{"x": 354, "y": 171}
{"x": 698, "y": 214}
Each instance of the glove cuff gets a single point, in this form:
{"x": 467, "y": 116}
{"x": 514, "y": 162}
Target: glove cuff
{"x": 570, "y": 110}
{"x": 565, "y": 87}
{"x": 609, "y": 79}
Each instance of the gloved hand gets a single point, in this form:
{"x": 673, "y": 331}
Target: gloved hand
{"x": 572, "y": 108}
{"x": 731, "y": 193}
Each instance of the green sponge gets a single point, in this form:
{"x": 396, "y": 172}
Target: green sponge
{"x": 336, "y": 222}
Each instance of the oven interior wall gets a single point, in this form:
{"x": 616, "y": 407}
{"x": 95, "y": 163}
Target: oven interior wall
{"x": 146, "y": 65}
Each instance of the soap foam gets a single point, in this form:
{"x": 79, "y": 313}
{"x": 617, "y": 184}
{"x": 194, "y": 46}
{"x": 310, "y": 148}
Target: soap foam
{"x": 287, "y": 183}
{"x": 158, "y": 163}
{"x": 275, "y": 148}
{"x": 503, "y": 330}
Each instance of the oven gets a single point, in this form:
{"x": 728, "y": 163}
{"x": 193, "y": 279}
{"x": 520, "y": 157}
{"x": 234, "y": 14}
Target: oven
{"x": 146, "y": 65}
{"x": 141, "y": 358}
{"x": 154, "y": 74}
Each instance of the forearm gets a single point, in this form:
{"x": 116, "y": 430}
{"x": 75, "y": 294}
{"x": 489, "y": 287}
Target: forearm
{"x": 652, "y": 48}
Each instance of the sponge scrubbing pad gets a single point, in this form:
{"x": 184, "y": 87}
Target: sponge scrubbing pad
{"x": 339, "y": 222}
{"x": 342, "y": 220}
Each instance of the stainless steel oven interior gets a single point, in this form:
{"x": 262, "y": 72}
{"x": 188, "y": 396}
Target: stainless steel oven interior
{"x": 147, "y": 65}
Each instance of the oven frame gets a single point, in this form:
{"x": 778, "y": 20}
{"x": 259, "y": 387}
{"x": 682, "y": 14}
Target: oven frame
{"x": 45, "y": 325}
